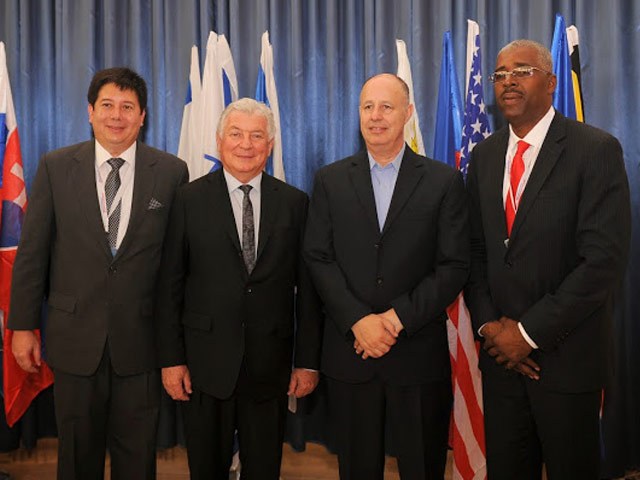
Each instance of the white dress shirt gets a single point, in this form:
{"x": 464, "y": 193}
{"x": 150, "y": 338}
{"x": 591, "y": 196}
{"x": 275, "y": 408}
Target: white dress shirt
{"x": 125, "y": 192}
{"x": 535, "y": 138}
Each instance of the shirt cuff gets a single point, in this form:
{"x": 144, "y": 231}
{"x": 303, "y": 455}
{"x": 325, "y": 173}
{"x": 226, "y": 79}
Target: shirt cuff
{"x": 528, "y": 339}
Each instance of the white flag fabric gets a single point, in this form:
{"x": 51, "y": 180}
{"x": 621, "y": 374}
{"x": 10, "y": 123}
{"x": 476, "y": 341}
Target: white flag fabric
{"x": 412, "y": 133}
{"x": 266, "y": 92}
{"x": 219, "y": 88}
{"x": 190, "y": 148}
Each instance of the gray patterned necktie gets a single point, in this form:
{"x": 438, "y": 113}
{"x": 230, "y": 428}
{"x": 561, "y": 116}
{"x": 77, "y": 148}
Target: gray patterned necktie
{"x": 111, "y": 187}
{"x": 248, "y": 230}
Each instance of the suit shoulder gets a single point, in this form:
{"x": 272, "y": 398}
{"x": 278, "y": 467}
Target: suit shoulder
{"x": 69, "y": 151}
{"x": 587, "y": 133}
{"x": 339, "y": 166}
{"x": 285, "y": 188}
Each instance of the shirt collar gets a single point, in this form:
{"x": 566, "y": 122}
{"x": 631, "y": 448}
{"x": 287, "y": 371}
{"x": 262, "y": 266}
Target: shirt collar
{"x": 233, "y": 183}
{"x": 537, "y": 134}
{"x": 102, "y": 155}
{"x": 396, "y": 162}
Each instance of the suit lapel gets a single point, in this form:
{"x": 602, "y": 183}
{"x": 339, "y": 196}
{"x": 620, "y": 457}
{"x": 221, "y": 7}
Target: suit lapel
{"x": 84, "y": 176}
{"x": 360, "y": 175}
{"x": 495, "y": 167}
{"x": 143, "y": 183}
{"x": 269, "y": 204}
{"x": 547, "y": 159}
{"x": 411, "y": 172}
{"x": 222, "y": 202}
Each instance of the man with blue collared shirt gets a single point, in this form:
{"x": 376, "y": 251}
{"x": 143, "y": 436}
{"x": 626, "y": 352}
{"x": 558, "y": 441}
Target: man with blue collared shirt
{"x": 387, "y": 246}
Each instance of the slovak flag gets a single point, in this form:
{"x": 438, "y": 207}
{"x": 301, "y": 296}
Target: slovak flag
{"x": 266, "y": 93}
{"x": 20, "y": 387}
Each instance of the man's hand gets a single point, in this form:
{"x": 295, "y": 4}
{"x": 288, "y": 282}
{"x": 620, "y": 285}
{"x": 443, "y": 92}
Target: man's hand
{"x": 374, "y": 337}
{"x": 529, "y": 368}
{"x": 391, "y": 316}
{"x": 177, "y": 382}
{"x": 25, "y": 347}
{"x": 508, "y": 346}
{"x": 303, "y": 382}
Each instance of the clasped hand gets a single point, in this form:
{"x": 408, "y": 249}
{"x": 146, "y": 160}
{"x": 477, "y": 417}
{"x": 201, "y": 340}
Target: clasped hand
{"x": 376, "y": 334}
{"x": 504, "y": 341}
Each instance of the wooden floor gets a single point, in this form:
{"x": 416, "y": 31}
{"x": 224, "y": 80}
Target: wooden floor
{"x": 316, "y": 463}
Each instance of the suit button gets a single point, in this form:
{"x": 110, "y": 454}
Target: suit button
{"x": 379, "y": 281}
{"x": 509, "y": 263}
{"x": 249, "y": 290}
{"x": 377, "y": 245}
{"x": 112, "y": 269}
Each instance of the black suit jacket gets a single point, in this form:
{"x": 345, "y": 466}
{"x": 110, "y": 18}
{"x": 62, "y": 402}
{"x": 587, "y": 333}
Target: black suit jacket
{"x": 64, "y": 256}
{"x": 568, "y": 249}
{"x": 213, "y": 314}
{"x": 417, "y": 264}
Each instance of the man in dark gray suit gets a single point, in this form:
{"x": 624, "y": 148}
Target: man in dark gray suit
{"x": 91, "y": 245}
{"x": 550, "y": 229}
{"x": 388, "y": 248}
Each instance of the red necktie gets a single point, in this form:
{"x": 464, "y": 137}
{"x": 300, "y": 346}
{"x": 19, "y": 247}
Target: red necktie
{"x": 517, "y": 169}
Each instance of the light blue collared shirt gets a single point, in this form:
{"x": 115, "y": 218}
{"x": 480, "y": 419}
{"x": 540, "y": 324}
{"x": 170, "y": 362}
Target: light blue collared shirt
{"x": 383, "y": 180}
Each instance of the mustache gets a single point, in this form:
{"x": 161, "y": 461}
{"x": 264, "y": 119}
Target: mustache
{"x": 511, "y": 90}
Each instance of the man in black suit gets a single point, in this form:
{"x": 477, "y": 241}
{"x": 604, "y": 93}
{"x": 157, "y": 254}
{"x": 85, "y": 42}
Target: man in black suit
{"x": 387, "y": 246}
{"x": 91, "y": 245}
{"x": 550, "y": 232}
{"x": 235, "y": 300}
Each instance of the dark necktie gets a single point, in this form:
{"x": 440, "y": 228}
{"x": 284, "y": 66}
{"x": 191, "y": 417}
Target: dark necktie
{"x": 517, "y": 169}
{"x": 248, "y": 230}
{"x": 111, "y": 187}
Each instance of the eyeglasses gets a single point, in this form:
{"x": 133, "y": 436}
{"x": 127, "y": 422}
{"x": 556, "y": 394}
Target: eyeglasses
{"x": 518, "y": 72}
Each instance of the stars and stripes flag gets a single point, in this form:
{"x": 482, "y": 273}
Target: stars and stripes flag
{"x": 412, "y": 133}
{"x": 267, "y": 93}
{"x": 20, "y": 387}
{"x": 467, "y": 427}
{"x": 219, "y": 89}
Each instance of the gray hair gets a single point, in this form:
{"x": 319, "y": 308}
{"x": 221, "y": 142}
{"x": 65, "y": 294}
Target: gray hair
{"x": 544, "y": 55}
{"x": 250, "y": 107}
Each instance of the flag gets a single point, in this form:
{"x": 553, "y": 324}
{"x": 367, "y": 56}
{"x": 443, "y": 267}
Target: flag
{"x": 266, "y": 92}
{"x": 412, "y": 133}
{"x": 467, "y": 426}
{"x": 448, "y": 129}
{"x": 563, "y": 97}
{"x": 189, "y": 147}
{"x": 219, "y": 89}
{"x": 573, "y": 41}
{"x": 20, "y": 387}
{"x": 475, "y": 127}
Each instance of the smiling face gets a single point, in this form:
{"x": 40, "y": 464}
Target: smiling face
{"x": 523, "y": 101}
{"x": 244, "y": 145}
{"x": 384, "y": 110}
{"x": 116, "y": 118}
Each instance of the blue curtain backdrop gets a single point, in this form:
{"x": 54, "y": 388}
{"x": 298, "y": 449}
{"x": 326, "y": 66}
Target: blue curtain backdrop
{"x": 323, "y": 51}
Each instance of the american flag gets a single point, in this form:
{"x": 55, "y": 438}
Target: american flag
{"x": 476, "y": 122}
{"x": 467, "y": 427}
{"x": 20, "y": 387}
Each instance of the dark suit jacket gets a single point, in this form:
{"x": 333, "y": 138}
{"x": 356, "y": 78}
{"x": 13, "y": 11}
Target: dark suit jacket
{"x": 417, "y": 264}
{"x": 64, "y": 256}
{"x": 213, "y": 314}
{"x": 567, "y": 251}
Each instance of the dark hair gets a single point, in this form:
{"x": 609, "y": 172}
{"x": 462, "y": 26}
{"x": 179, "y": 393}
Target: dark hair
{"x": 124, "y": 78}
